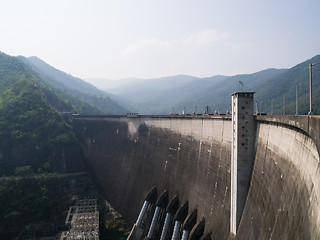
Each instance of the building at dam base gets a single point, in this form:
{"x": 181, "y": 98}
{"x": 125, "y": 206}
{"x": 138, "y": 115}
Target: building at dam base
{"x": 190, "y": 157}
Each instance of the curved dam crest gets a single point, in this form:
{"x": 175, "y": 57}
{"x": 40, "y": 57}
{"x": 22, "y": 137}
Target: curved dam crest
{"x": 190, "y": 156}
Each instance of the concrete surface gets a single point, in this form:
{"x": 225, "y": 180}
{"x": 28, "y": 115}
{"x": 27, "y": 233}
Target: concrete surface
{"x": 190, "y": 156}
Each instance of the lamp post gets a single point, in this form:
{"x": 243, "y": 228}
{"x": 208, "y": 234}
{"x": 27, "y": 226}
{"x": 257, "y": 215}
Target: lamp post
{"x": 284, "y": 105}
{"x": 297, "y": 103}
{"x": 310, "y": 87}
{"x": 260, "y": 108}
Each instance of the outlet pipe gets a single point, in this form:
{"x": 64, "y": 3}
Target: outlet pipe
{"x": 176, "y": 230}
{"x": 149, "y": 199}
{"x": 154, "y": 222}
{"x": 179, "y": 218}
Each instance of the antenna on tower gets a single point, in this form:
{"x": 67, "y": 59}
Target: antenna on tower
{"x": 196, "y": 110}
{"x": 241, "y": 86}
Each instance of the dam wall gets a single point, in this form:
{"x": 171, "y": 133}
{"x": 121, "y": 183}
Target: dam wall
{"x": 186, "y": 156}
{"x": 190, "y": 156}
{"x": 283, "y": 200}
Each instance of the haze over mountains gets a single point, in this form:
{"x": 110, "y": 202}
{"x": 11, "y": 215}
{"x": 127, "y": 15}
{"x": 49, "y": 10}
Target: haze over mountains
{"x": 159, "y": 95}
{"x": 85, "y": 97}
{"x": 275, "y": 90}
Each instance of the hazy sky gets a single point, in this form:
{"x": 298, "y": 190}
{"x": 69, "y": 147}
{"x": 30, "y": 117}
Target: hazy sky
{"x": 148, "y": 38}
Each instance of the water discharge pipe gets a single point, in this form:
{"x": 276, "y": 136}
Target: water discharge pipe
{"x": 185, "y": 235}
{"x": 189, "y": 224}
{"x": 166, "y": 226}
{"x": 150, "y": 198}
{"x": 154, "y": 222}
{"x": 171, "y": 210}
{"x": 160, "y": 205}
{"x": 179, "y": 218}
{"x": 176, "y": 230}
{"x": 142, "y": 212}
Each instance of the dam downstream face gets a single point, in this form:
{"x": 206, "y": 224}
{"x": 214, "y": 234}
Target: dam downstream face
{"x": 283, "y": 200}
{"x": 191, "y": 157}
{"x": 129, "y": 165}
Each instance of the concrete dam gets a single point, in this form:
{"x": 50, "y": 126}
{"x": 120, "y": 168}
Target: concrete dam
{"x": 239, "y": 176}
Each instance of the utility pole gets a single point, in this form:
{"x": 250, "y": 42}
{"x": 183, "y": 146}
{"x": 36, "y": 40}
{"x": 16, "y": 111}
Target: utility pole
{"x": 272, "y": 106}
{"x": 284, "y": 105}
{"x": 260, "y": 108}
{"x": 297, "y": 112}
{"x": 310, "y": 89}
{"x": 229, "y": 109}
{"x": 310, "y": 86}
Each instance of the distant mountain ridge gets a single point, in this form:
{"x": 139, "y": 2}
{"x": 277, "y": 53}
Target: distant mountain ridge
{"x": 158, "y": 95}
{"x": 282, "y": 89}
{"x": 30, "y": 124}
{"x": 274, "y": 88}
{"x": 274, "y": 91}
{"x": 217, "y": 96}
{"x": 12, "y": 70}
{"x": 187, "y": 93}
{"x": 73, "y": 89}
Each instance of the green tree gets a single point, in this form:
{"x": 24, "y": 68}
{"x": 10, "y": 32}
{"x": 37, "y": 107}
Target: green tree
{"x": 29, "y": 127}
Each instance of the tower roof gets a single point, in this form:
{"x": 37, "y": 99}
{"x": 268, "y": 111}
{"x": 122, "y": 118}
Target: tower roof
{"x": 248, "y": 94}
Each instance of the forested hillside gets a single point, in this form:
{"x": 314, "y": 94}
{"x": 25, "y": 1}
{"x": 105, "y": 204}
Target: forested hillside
{"x": 218, "y": 96}
{"x": 25, "y": 200}
{"x": 30, "y": 128}
{"x": 159, "y": 95}
{"x": 86, "y": 98}
{"x": 30, "y": 124}
{"x": 274, "y": 88}
{"x": 282, "y": 89}
{"x": 275, "y": 91}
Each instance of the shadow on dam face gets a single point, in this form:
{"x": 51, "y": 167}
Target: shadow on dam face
{"x": 191, "y": 158}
